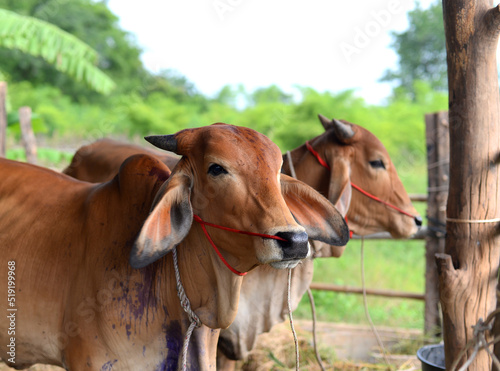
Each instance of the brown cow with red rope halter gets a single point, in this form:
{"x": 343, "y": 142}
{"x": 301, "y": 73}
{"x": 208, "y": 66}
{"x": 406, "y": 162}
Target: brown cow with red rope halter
{"x": 81, "y": 304}
{"x": 345, "y": 156}
{"x": 356, "y": 156}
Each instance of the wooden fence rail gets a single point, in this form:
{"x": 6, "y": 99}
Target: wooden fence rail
{"x": 359, "y": 290}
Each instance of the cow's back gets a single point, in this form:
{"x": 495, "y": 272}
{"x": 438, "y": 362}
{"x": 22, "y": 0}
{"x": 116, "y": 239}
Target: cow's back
{"x": 99, "y": 161}
{"x": 41, "y": 272}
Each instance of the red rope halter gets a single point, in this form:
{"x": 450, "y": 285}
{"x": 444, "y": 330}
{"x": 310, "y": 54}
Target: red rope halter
{"x": 203, "y": 223}
{"x": 324, "y": 164}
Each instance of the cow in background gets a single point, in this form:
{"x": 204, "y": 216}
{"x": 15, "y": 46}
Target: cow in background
{"x": 95, "y": 287}
{"x": 99, "y": 161}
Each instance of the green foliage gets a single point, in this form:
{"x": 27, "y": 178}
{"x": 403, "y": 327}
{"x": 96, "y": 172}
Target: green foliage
{"x": 66, "y": 52}
{"x": 421, "y": 50}
{"x": 45, "y": 156}
{"x": 270, "y": 94}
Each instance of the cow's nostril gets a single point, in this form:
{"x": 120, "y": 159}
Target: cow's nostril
{"x": 296, "y": 245}
{"x": 418, "y": 221}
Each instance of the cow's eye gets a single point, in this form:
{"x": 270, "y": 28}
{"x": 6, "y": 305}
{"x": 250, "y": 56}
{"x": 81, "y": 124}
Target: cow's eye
{"x": 216, "y": 170}
{"x": 377, "y": 164}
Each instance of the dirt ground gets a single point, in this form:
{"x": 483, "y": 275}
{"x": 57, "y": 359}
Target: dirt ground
{"x": 341, "y": 346}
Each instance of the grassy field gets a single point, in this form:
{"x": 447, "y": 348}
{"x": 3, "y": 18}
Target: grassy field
{"x": 394, "y": 265}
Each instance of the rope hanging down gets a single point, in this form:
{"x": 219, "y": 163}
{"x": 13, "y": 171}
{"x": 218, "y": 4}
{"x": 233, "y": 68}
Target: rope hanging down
{"x": 309, "y": 293}
{"x": 479, "y": 342}
{"x": 291, "y": 320}
{"x": 186, "y": 305}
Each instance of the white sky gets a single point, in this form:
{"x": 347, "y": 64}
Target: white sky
{"x": 325, "y": 44}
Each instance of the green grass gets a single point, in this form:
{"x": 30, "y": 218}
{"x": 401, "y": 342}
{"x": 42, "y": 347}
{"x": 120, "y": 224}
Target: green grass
{"x": 391, "y": 265}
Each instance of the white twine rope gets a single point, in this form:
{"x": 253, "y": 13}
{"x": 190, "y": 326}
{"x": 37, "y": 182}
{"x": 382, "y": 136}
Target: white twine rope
{"x": 291, "y": 320}
{"x": 365, "y": 304}
{"x": 309, "y": 293}
{"x": 453, "y": 220}
{"x": 313, "y": 312}
{"x": 290, "y": 164}
{"x": 186, "y": 305}
{"x": 479, "y": 342}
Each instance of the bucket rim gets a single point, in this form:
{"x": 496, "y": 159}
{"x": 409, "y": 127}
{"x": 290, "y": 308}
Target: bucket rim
{"x": 430, "y": 346}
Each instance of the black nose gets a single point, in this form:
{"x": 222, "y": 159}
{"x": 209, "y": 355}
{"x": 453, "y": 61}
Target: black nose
{"x": 296, "y": 245}
{"x": 418, "y": 221}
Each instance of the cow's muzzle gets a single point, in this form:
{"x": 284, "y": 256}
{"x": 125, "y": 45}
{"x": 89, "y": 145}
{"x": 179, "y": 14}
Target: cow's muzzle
{"x": 295, "y": 246}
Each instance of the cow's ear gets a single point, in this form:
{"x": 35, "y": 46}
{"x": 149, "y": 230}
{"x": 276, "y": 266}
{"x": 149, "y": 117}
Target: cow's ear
{"x": 339, "y": 189}
{"x": 168, "y": 223}
{"x": 322, "y": 221}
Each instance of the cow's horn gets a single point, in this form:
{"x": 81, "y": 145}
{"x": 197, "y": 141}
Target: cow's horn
{"x": 166, "y": 142}
{"x": 344, "y": 132}
{"x": 325, "y": 122}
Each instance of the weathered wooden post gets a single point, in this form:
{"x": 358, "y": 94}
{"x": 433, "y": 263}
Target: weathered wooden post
{"x": 438, "y": 158}
{"x": 468, "y": 269}
{"x": 27, "y": 134}
{"x": 3, "y": 117}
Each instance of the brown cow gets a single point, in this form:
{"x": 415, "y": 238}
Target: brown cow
{"x": 355, "y": 155}
{"x": 79, "y": 304}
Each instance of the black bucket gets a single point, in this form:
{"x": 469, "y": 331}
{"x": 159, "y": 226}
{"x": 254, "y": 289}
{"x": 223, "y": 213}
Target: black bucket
{"x": 432, "y": 357}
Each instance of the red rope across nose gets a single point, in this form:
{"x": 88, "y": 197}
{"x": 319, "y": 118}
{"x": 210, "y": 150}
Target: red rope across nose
{"x": 324, "y": 164}
{"x": 203, "y": 223}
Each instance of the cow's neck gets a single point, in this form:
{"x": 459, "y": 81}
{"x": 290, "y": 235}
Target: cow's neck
{"x": 302, "y": 162}
{"x": 211, "y": 287}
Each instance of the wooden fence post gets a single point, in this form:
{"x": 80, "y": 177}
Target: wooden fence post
{"x": 28, "y": 137}
{"x": 3, "y": 117}
{"x": 468, "y": 270}
{"x": 438, "y": 152}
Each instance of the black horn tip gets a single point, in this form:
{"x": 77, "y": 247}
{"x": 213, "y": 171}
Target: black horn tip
{"x": 166, "y": 142}
{"x": 324, "y": 121}
{"x": 344, "y": 132}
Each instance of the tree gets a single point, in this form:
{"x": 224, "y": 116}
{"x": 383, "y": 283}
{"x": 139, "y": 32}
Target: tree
{"x": 270, "y": 94}
{"x": 421, "y": 50}
{"x": 64, "y": 51}
{"x": 468, "y": 270}
{"x": 93, "y": 23}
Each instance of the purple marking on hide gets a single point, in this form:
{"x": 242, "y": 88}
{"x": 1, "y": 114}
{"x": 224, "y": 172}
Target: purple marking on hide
{"x": 141, "y": 297}
{"x": 144, "y": 351}
{"x": 108, "y": 366}
{"x": 127, "y": 328}
{"x": 173, "y": 339}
